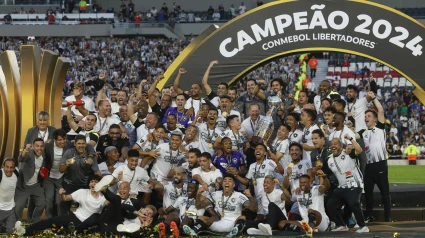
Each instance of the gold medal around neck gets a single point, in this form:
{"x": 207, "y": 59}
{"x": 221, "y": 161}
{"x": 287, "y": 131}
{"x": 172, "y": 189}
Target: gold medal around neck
{"x": 254, "y": 182}
{"x": 224, "y": 114}
{"x": 319, "y": 163}
{"x": 210, "y": 145}
{"x": 291, "y": 165}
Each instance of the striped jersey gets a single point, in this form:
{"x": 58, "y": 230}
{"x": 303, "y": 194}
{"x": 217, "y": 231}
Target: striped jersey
{"x": 345, "y": 169}
{"x": 374, "y": 140}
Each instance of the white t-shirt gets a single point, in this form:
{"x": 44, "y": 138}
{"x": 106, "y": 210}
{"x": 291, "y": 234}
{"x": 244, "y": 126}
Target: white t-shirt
{"x": 103, "y": 124}
{"x": 207, "y": 136}
{"x": 232, "y": 205}
{"x": 283, "y": 148}
{"x": 7, "y": 191}
{"x": 88, "y": 204}
{"x": 137, "y": 178}
{"x": 242, "y": 9}
{"x": 237, "y": 138}
{"x": 340, "y": 135}
{"x": 167, "y": 160}
{"x": 308, "y": 135}
{"x": 171, "y": 193}
{"x": 38, "y": 163}
{"x": 299, "y": 169}
{"x": 313, "y": 200}
{"x": 183, "y": 204}
{"x": 358, "y": 111}
{"x": 295, "y": 136}
{"x": 88, "y": 105}
{"x": 191, "y": 145}
{"x": 274, "y": 197}
{"x": 346, "y": 171}
{"x": 143, "y": 131}
{"x": 248, "y": 126}
{"x": 57, "y": 158}
{"x": 257, "y": 172}
{"x": 196, "y": 104}
{"x": 221, "y": 120}
{"x": 208, "y": 177}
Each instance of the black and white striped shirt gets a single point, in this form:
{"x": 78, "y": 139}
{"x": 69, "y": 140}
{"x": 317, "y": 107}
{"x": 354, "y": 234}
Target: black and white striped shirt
{"x": 374, "y": 140}
{"x": 346, "y": 171}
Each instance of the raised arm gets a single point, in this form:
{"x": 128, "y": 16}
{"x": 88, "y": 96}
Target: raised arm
{"x": 151, "y": 92}
{"x": 130, "y": 109}
{"x": 378, "y": 105}
{"x": 205, "y": 78}
{"x": 176, "y": 84}
{"x": 251, "y": 204}
{"x": 353, "y": 141}
{"x": 70, "y": 120}
{"x": 201, "y": 201}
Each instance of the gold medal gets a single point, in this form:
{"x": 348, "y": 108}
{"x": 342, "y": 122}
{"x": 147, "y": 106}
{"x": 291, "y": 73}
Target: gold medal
{"x": 254, "y": 182}
{"x": 222, "y": 214}
{"x": 319, "y": 163}
{"x": 210, "y": 145}
{"x": 72, "y": 160}
{"x": 224, "y": 114}
{"x": 291, "y": 165}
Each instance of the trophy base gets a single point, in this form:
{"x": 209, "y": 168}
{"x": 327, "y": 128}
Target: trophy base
{"x": 255, "y": 140}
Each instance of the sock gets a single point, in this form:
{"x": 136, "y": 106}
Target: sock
{"x": 312, "y": 220}
{"x": 167, "y": 229}
{"x": 240, "y": 224}
{"x": 199, "y": 226}
{"x": 291, "y": 227}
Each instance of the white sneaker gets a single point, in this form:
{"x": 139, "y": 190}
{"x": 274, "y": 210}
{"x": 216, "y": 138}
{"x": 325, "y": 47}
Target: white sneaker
{"x": 266, "y": 229}
{"x": 363, "y": 230}
{"x": 19, "y": 229}
{"x": 129, "y": 228}
{"x": 356, "y": 226}
{"x": 253, "y": 231}
{"x": 103, "y": 183}
{"x": 341, "y": 228}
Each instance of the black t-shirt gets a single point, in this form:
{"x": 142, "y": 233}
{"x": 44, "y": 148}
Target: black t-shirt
{"x": 157, "y": 109}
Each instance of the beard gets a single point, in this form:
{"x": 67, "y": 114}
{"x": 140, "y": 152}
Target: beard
{"x": 350, "y": 100}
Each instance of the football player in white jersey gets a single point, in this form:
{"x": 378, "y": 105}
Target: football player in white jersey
{"x": 87, "y": 130}
{"x": 294, "y": 171}
{"x": 376, "y": 171}
{"x": 228, "y": 204}
{"x": 209, "y": 179}
{"x": 256, "y": 174}
{"x": 190, "y": 139}
{"x": 233, "y": 133}
{"x": 170, "y": 157}
{"x": 208, "y": 131}
{"x": 273, "y": 200}
{"x": 224, "y": 112}
{"x": 147, "y": 145}
{"x": 172, "y": 191}
{"x": 192, "y": 161}
{"x": 311, "y": 203}
{"x": 308, "y": 116}
{"x": 183, "y": 211}
{"x": 279, "y": 150}
{"x": 295, "y": 134}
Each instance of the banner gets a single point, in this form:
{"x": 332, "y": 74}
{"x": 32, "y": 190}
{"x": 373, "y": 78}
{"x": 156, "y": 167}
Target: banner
{"x": 280, "y": 28}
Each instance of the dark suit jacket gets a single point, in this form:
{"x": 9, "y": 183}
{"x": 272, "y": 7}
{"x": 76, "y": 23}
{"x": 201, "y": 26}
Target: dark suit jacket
{"x": 32, "y": 134}
{"x": 27, "y": 168}
{"x": 49, "y": 151}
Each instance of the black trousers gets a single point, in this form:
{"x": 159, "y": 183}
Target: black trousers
{"x": 342, "y": 196}
{"x": 312, "y": 73}
{"x": 111, "y": 217}
{"x": 377, "y": 173}
{"x": 273, "y": 218}
{"x": 58, "y": 221}
{"x": 362, "y": 156}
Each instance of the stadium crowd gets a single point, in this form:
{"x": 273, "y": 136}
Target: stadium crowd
{"x": 135, "y": 157}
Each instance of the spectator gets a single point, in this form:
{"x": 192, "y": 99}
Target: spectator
{"x": 8, "y": 18}
{"x": 83, "y": 6}
{"x": 216, "y": 15}
{"x": 130, "y": 7}
{"x": 71, "y": 5}
{"x": 62, "y": 6}
{"x": 242, "y": 8}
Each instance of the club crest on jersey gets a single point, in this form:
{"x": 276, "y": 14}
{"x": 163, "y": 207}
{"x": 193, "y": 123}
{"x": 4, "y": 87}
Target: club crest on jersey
{"x": 300, "y": 166}
{"x": 295, "y": 135}
{"x": 263, "y": 166}
{"x": 343, "y": 157}
{"x": 234, "y": 160}
{"x": 233, "y": 199}
{"x": 141, "y": 141}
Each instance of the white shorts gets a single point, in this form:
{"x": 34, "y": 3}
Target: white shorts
{"x": 324, "y": 224}
{"x": 223, "y": 225}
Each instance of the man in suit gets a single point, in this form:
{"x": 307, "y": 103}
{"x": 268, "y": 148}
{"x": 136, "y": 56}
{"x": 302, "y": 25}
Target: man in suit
{"x": 54, "y": 151}
{"x": 30, "y": 180}
{"x": 41, "y": 130}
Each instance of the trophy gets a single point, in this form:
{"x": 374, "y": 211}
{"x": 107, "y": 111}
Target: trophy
{"x": 265, "y": 126}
